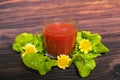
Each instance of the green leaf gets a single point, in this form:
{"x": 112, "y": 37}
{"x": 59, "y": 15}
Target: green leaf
{"x": 32, "y": 60}
{"x": 77, "y": 57}
{"x": 85, "y": 71}
{"x": 79, "y": 37}
{"x": 21, "y": 40}
{"x": 76, "y": 50}
{"x": 87, "y": 67}
{"x": 39, "y": 43}
{"x": 39, "y": 62}
{"x": 95, "y": 39}
{"x": 90, "y": 63}
{"x": 41, "y": 69}
{"x": 100, "y": 48}
{"x": 36, "y": 40}
{"x": 90, "y": 55}
{"x": 49, "y": 64}
{"x": 78, "y": 61}
{"x": 86, "y": 34}
{"x": 17, "y": 47}
{"x": 24, "y": 38}
{"x": 84, "y": 65}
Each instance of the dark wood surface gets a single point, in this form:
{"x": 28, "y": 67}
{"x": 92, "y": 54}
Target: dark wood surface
{"x": 97, "y": 16}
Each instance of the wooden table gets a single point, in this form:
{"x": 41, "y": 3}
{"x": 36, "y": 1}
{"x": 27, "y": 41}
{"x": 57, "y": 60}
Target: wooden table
{"x": 97, "y": 16}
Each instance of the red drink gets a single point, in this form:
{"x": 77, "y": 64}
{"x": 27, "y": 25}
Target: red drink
{"x": 59, "y": 38}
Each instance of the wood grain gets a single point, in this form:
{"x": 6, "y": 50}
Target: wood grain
{"x": 97, "y": 16}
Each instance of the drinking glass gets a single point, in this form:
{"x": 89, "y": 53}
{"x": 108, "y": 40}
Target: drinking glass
{"x": 59, "y": 36}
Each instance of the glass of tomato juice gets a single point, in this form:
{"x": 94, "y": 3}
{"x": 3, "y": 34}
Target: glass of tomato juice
{"x": 59, "y": 36}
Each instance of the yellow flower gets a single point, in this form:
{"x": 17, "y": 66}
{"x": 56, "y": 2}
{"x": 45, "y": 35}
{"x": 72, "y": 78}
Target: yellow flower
{"x": 63, "y": 61}
{"x": 85, "y": 45}
{"x": 29, "y": 48}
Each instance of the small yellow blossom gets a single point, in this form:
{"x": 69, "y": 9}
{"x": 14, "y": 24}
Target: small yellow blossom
{"x": 29, "y": 48}
{"x": 63, "y": 61}
{"x": 85, "y": 45}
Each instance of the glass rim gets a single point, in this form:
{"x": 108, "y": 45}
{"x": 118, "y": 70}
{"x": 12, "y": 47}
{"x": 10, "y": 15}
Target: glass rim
{"x": 54, "y": 20}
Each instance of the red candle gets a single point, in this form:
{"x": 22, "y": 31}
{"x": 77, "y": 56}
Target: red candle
{"x": 59, "y": 38}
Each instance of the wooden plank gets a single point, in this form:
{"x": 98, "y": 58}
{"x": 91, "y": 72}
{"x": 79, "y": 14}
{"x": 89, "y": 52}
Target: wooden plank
{"x": 97, "y": 16}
